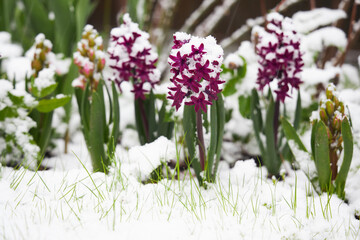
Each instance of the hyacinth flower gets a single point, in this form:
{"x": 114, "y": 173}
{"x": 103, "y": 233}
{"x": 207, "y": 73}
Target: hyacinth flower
{"x": 89, "y": 91}
{"x": 43, "y": 85}
{"x": 331, "y": 134}
{"x": 133, "y": 59}
{"x": 195, "y": 76}
{"x": 280, "y": 64}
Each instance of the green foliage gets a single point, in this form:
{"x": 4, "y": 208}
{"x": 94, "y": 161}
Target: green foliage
{"x": 237, "y": 74}
{"x": 320, "y": 146}
{"x": 24, "y": 19}
{"x": 95, "y": 127}
{"x": 270, "y": 148}
{"x": 148, "y": 128}
{"x": 217, "y": 122}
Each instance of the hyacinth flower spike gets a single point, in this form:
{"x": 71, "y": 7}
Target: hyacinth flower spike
{"x": 133, "y": 59}
{"x": 280, "y": 62}
{"x": 89, "y": 91}
{"x": 43, "y": 85}
{"x": 330, "y": 136}
{"x": 195, "y": 68}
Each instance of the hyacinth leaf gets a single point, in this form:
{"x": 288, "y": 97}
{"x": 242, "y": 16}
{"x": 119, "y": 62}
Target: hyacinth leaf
{"x": 165, "y": 125}
{"x": 256, "y": 117}
{"x": 271, "y": 160}
{"x": 39, "y": 18}
{"x": 48, "y": 105}
{"x": 290, "y": 134}
{"x": 245, "y": 106}
{"x": 298, "y": 111}
{"x": 83, "y": 9}
{"x": 139, "y": 123}
{"x": 115, "y": 119}
{"x": 213, "y": 140}
{"x": 96, "y": 129}
{"x": 150, "y": 113}
{"x": 84, "y": 112}
{"x": 322, "y": 157}
{"x": 132, "y": 10}
{"x": 100, "y": 91}
{"x": 312, "y": 139}
{"x": 189, "y": 124}
{"x": 64, "y": 27}
{"x": 46, "y": 131}
{"x": 6, "y": 8}
{"x": 348, "y": 154}
{"x": 221, "y": 124}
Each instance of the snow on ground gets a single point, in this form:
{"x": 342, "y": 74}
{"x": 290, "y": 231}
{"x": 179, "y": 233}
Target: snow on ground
{"x": 70, "y": 202}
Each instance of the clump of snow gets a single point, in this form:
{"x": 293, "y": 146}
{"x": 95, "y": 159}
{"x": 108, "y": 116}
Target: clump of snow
{"x": 307, "y": 21}
{"x": 145, "y": 159}
{"x": 17, "y": 68}
{"x": 8, "y": 49}
{"x": 233, "y": 61}
{"x": 45, "y": 79}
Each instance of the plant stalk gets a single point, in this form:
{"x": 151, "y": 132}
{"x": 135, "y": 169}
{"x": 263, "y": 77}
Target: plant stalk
{"x": 333, "y": 163}
{"x": 200, "y": 135}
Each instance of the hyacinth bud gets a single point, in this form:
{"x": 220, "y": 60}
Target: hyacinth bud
{"x": 42, "y": 56}
{"x": 323, "y": 115}
{"x": 341, "y": 108}
{"x": 337, "y": 102}
{"x": 339, "y": 142}
{"x": 330, "y": 108}
{"x": 329, "y": 94}
{"x": 336, "y": 123}
{"x": 330, "y": 135}
{"x": 36, "y": 65}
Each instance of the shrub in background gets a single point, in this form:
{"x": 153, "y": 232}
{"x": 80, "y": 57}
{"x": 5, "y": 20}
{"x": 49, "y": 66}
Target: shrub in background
{"x": 89, "y": 91}
{"x": 195, "y": 66}
{"x": 17, "y": 146}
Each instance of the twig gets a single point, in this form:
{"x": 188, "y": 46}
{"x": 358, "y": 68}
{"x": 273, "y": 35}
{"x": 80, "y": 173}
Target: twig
{"x": 312, "y": 4}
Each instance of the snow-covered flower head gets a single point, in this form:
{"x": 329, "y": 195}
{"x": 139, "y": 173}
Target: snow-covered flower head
{"x": 132, "y": 57}
{"x": 41, "y": 51}
{"x": 195, "y": 67}
{"x": 89, "y": 57}
{"x": 280, "y": 56}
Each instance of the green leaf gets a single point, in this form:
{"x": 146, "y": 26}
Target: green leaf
{"x": 322, "y": 157}
{"x": 241, "y": 71}
{"x": 38, "y": 17}
{"x": 298, "y": 111}
{"x": 96, "y": 133}
{"x": 8, "y": 112}
{"x": 213, "y": 139}
{"x": 139, "y": 122}
{"x": 43, "y": 92}
{"x": 272, "y": 160}
{"x": 189, "y": 124}
{"x": 257, "y": 120}
{"x": 290, "y": 134}
{"x": 116, "y": 120}
{"x": 48, "y": 105}
{"x": 230, "y": 87}
{"x": 245, "y": 106}
{"x": 348, "y": 154}
{"x": 83, "y": 9}
{"x": 16, "y": 100}
{"x": 150, "y": 115}
{"x": 221, "y": 124}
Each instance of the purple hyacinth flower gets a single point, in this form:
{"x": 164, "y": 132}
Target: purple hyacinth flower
{"x": 195, "y": 71}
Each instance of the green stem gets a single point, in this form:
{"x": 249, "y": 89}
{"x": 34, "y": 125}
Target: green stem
{"x": 200, "y": 135}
